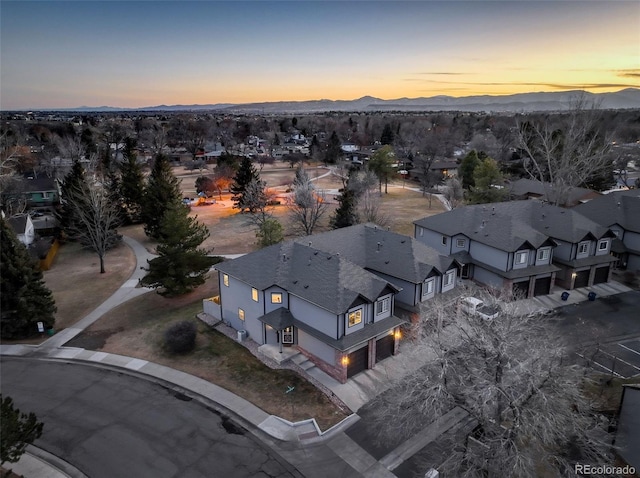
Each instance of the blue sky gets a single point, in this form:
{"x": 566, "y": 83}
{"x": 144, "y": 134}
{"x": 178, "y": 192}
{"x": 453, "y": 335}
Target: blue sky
{"x": 130, "y": 54}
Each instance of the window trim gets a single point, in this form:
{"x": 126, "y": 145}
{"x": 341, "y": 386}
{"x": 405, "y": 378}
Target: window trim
{"x": 545, "y": 251}
{"x": 225, "y": 280}
{"x": 444, "y": 240}
{"x": 276, "y": 294}
{"x": 451, "y": 274}
{"x": 355, "y": 312}
{"x": 584, "y": 244}
{"x": 461, "y": 242}
{"x": 603, "y": 242}
{"x": 521, "y": 254}
{"x": 382, "y": 302}
{"x": 254, "y": 294}
{"x": 241, "y": 315}
{"x": 428, "y": 284}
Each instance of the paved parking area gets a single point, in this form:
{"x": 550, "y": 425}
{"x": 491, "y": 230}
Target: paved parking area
{"x": 621, "y": 359}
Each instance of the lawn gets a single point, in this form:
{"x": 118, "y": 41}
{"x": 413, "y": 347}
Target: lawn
{"x": 136, "y": 329}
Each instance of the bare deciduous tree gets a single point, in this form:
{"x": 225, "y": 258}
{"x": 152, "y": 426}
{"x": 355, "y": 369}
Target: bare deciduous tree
{"x": 306, "y": 204}
{"x": 453, "y": 192}
{"x": 564, "y": 156}
{"x": 96, "y": 218}
{"x": 368, "y": 200}
{"x": 508, "y": 375}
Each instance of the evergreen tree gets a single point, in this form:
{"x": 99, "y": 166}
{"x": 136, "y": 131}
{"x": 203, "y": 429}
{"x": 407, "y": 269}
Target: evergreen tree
{"x": 270, "y": 232}
{"x": 387, "y": 135}
{"x": 180, "y": 266}
{"x": 246, "y": 174}
{"x": 131, "y": 184}
{"x": 334, "y": 149}
{"x": 73, "y": 183}
{"x": 25, "y": 299}
{"x": 17, "y": 431}
{"x": 161, "y": 193}
{"x": 382, "y": 165}
{"x": 486, "y": 177}
{"x": 345, "y": 215}
{"x": 467, "y": 166}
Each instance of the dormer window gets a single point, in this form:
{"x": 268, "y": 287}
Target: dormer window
{"x": 522, "y": 257}
{"x": 382, "y": 305}
{"x": 603, "y": 245}
{"x": 355, "y": 317}
{"x": 543, "y": 254}
{"x": 460, "y": 243}
{"x": 583, "y": 248}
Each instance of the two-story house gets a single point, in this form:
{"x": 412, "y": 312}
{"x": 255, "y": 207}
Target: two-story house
{"x": 523, "y": 246}
{"x": 620, "y": 212}
{"x": 332, "y": 296}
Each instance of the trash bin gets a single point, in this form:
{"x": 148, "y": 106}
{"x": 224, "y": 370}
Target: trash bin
{"x": 591, "y": 296}
{"x": 564, "y": 296}
{"x": 242, "y": 335}
{"x": 50, "y": 331}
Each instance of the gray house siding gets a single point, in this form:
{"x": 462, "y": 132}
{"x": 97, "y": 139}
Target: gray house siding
{"x": 408, "y": 293}
{"x": 238, "y": 296}
{"x": 434, "y": 240}
{"x": 632, "y": 240}
{"x": 563, "y": 250}
{"x": 486, "y": 277}
{"x": 489, "y": 255}
{"x": 268, "y": 305}
{"x": 312, "y": 315}
{"x": 316, "y": 347}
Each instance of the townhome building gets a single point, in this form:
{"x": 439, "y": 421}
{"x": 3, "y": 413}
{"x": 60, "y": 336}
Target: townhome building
{"x": 620, "y": 212}
{"x": 525, "y": 247}
{"x": 335, "y": 297}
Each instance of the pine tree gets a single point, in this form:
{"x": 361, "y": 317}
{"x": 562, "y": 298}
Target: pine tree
{"x": 18, "y": 431}
{"x": 334, "y": 149}
{"x": 245, "y": 175}
{"x": 270, "y": 232}
{"x": 387, "y": 135}
{"x": 25, "y": 299}
{"x": 181, "y": 265}
{"x": 160, "y": 194}
{"x": 131, "y": 184}
{"x": 72, "y": 183}
{"x": 345, "y": 215}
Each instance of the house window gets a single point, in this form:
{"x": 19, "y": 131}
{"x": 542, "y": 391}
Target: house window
{"x": 448, "y": 278}
{"x": 603, "y": 245}
{"x": 521, "y": 257}
{"x": 583, "y": 247}
{"x": 427, "y": 287}
{"x": 355, "y": 317}
{"x": 543, "y": 254}
{"x": 421, "y": 231}
{"x": 444, "y": 240}
{"x": 460, "y": 242}
{"x": 276, "y": 298}
{"x": 225, "y": 279}
{"x": 241, "y": 314}
{"x": 382, "y": 305}
{"x": 254, "y": 294}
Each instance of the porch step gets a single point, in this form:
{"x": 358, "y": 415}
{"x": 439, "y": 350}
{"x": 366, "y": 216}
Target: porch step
{"x": 303, "y": 362}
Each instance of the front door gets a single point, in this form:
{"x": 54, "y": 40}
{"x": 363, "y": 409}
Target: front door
{"x": 287, "y": 336}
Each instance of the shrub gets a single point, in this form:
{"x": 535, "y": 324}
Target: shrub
{"x": 180, "y": 338}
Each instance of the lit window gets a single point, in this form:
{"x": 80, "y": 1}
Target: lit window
{"x": 355, "y": 317}
{"x": 543, "y": 254}
{"x": 444, "y": 240}
{"x": 583, "y": 248}
{"x": 421, "y": 231}
{"x": 276, "y": 298}
{"x": 521, "y": 257}
{"x": 460, "y": 242}
{"x": 225, "y": 279}
{"x": 427, "y": 287}
{"x": 241, "y": 314}
{"x": 603, "y": 245}
{"x": 254, "y": 294}
{"x": 448, "y": 277}
{"x": 382, "y": 305}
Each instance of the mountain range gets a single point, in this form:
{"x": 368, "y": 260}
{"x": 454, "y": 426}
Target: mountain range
{"x": 628, "y": 98}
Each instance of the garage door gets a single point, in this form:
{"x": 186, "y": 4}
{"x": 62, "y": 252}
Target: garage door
{"x": 601, "y": 275}
{"x": 521, "y": 289}
{"x": 358, "y": 361}
{"x": 582, "y": 279}
{"x": 542, "y": 286}
{"x": 384, "y": 347}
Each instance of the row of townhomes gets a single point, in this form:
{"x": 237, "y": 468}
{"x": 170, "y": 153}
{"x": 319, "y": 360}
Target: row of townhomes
{"x": 336, "y": 296}
{"x": 523, "y": 246}
{"x": 340, "y": 297}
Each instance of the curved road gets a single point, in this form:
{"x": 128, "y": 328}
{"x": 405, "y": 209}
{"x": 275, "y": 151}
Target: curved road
{"x": 111, "y": 425}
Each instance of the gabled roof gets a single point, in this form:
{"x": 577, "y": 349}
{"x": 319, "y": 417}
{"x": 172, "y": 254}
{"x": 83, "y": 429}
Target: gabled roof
{"x": 40, "y": 184}
{"x": 524, "y": 187}
{"x": 322, "y": 278}
{"x": 510, "y": 225}
{"x": 379, "y": 250}
{"x": 621, "y": 207}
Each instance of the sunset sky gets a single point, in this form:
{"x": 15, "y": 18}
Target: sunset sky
{"x": 134, "y": 54}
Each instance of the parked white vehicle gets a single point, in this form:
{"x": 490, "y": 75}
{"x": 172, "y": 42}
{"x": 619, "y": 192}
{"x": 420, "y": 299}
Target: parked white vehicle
{"x": 474, "y": 306}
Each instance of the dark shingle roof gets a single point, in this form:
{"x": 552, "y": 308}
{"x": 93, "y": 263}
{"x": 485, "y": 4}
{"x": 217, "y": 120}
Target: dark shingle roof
{"x": 509, "y": 225}
{"x": 621, "y": 207}
{"x": 379, "y": 250}
{"x": 523, "y": 187}
{"x": 322, "y": 278}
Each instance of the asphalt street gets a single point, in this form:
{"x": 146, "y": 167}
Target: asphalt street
{"x": 112, "y": 425}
